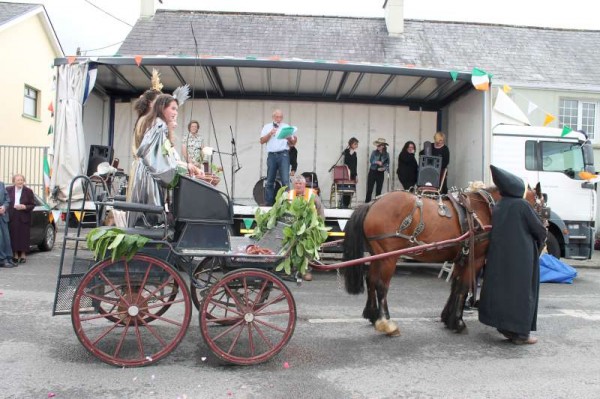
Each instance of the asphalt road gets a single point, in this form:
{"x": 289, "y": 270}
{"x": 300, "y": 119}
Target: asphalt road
{"x": 334, "y": 353}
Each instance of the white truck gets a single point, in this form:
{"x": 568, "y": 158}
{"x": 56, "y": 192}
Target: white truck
{"x": 540, "y": 154}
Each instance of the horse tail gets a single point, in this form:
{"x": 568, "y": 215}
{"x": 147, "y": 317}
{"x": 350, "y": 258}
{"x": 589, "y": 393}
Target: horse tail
{"x": 354, "y": 243}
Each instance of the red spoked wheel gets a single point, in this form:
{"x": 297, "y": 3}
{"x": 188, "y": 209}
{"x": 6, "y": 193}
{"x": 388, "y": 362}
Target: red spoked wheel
{"x": 120, "y": 311}
{"x": 248, "y": 316}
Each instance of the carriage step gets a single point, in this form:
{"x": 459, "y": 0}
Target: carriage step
{"x": 75, "y": 238}
{"x": 446, "y": 267}
{"x": 63, "y": 301}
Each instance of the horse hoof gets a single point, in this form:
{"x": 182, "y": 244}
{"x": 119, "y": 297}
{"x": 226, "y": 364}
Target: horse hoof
{"x": 461, "y": 327}
{"x": 381, "y": 325}
{"x": 392, "y": 330}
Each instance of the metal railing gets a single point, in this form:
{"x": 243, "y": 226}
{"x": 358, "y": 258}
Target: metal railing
{"x": 26, "y": 160}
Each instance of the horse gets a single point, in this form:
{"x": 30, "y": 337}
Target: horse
{"x": 400, "y": 220}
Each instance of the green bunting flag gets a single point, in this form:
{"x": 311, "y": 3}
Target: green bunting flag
{"x": 50, "y": 130}
{"x": 454, "y": 75}
{"x": 566, "y": 130}
{"x": 248, "y": 222}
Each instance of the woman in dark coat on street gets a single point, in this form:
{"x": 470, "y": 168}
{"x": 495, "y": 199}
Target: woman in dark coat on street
{"x": 511, "y": 279}
{"x": 408, "y": 168}
{"x": 21, "y": 205}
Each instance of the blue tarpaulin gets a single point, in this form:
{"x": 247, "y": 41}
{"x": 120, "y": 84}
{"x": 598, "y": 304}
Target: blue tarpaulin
{"x": 553, "y": 270}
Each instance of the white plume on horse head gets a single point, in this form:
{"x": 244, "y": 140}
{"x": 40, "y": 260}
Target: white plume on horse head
{"x": 475, "y": 186}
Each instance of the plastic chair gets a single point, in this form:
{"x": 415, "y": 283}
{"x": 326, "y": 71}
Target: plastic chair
{"x": 342, "y": 185}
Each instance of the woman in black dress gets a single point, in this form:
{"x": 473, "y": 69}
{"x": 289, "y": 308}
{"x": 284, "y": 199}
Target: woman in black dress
{"x": 408, "y": 168}
{"x": 351, "y": 161}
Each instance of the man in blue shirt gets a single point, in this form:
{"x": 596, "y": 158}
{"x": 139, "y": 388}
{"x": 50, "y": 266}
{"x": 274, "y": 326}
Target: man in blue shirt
{"x": 278, "y": 158}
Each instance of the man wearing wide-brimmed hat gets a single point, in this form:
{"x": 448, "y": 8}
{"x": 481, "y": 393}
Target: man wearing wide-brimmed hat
{"x": 379, "y": 163}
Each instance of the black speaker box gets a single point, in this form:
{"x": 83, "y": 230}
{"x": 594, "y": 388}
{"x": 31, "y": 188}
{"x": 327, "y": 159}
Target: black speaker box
{"x": 98, "y": 154}
{"x": 430, "y": 168}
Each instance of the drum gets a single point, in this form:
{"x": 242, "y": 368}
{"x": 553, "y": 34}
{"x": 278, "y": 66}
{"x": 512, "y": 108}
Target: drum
{"x": 259, "y": 190}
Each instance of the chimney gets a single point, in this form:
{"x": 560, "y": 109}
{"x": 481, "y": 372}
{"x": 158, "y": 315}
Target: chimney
{"x": 394, "y": 16}
{"x": 147, "y": 8}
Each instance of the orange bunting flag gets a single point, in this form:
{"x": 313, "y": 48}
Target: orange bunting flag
{"x": 506, "y": 89}
{"x": 138, "y": 60}
{"x": 587, "y": 175}
{"x": 71, "y": 59}
{"x": 548, "y": 119}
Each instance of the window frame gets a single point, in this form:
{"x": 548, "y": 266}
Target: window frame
{"x": 38, "y": 94}
{"x": 595, "y": 136}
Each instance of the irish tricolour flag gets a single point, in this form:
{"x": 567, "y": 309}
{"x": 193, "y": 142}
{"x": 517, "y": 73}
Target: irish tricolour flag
{"x": 480, "y": 79}
{"x": 46, "y": 175}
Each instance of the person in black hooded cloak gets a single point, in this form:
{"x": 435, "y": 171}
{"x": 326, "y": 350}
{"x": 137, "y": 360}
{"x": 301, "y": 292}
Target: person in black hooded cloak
{"x": 511, "y": 280}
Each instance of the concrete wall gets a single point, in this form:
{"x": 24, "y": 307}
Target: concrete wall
{"x": 463, "y": 123}
{"x": 323, "y": 132}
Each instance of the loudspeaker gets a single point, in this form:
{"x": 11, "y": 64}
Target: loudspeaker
{"x": 430, "y": 168}
{"x": 98, "y": 154}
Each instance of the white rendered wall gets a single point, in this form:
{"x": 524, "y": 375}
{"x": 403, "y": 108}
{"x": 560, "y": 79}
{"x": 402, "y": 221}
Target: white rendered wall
{"x": 323, "y": 132}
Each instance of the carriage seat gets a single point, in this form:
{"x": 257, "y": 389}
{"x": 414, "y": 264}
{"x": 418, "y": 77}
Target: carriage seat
{"x": 153, "y": 233}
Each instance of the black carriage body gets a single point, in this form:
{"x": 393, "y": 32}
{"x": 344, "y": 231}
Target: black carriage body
{"x": 203, "y": 216}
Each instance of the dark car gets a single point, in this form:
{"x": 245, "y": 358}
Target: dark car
{"x": 43, "y": 227}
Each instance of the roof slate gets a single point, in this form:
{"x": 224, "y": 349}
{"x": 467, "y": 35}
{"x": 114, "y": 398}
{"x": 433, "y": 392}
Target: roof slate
{"x": 513, "y": 54}
{"x": 10, "y": 11}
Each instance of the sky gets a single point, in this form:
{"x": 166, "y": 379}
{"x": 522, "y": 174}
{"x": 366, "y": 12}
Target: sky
{"x": 82, "y": 23}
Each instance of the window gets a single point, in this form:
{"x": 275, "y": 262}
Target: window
{"x": 31, "y": 102}
{"x": 567, "y": 158}
{"x": 579, "y": 115}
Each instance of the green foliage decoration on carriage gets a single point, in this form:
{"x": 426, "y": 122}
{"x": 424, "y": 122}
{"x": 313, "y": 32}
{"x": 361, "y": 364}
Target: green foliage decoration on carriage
{"x": 121, "y": 244}
{"x": 304, "y": 234}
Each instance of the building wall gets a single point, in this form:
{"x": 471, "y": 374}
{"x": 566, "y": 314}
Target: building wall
{"x": 28, "y": 57}
{"x": 323, "y": 132}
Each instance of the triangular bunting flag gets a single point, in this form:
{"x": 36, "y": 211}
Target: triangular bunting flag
{"x": 138, "y": 60}
{"x": 71, "y": 59}
{"x": 531, "y": 107}
{"x": 51, "y": 107}
{"x": 480, "y": 79}
{"x": 248, "y": 222}
{"x": 506, "y": 106}
{"x": 566, "y": 130}
{"x": 50, "y": 129}
{"x": 56, "y": 215}
{"x": 548, "y": 119}
{"x": 77, "y": 215}
{"x": 454, "y": 75}
{"x": 506, "y": 89}
{"x": 342, "y": 223}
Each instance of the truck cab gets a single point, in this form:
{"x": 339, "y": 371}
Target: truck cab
{"x": 564, "y": 166}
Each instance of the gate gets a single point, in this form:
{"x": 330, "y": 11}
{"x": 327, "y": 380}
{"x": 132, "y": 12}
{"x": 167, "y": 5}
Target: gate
{"x": 27, "y": 160}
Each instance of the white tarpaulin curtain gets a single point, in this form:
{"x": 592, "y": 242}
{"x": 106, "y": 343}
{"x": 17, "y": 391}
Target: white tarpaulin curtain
{"x": 69, "y": 145}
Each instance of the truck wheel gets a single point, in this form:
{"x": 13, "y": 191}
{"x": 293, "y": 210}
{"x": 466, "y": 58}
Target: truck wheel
{"x": 553, "y": 246}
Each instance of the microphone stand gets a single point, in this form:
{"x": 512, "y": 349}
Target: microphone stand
{"x": 338, "y": 160}
{"x": 234, "y": 161}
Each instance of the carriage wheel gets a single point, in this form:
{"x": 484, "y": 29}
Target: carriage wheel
{"x": 113, "y": 306}
{"x": 258, "y": 325}
{"x": 208, "y": 272}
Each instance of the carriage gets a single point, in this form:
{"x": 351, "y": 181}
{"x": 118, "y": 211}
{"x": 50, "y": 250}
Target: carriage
{"x": 135, "y": 312}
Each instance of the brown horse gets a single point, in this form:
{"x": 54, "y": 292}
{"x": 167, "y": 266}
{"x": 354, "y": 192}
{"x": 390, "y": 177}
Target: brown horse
{"x": 402, "y": 219}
